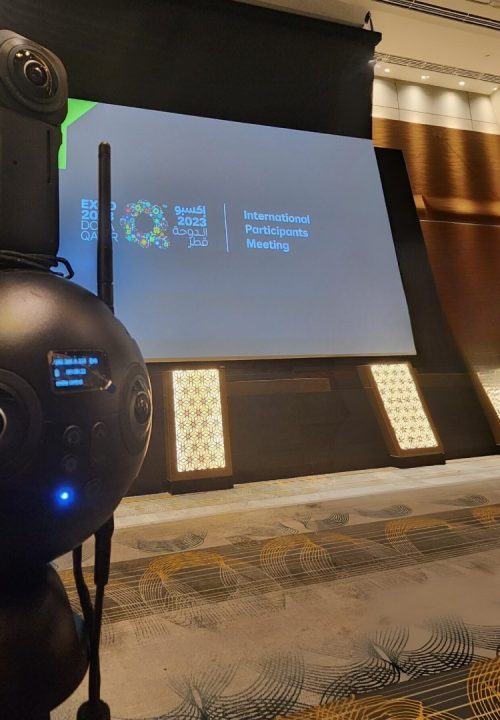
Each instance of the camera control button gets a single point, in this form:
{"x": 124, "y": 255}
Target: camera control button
{"x": 93, "y": 488}
{"x": 99, "y": 433}
{"x": 73, "y": 436}
{"x": 69, "y": 464}
{"x": 99, "y": 443}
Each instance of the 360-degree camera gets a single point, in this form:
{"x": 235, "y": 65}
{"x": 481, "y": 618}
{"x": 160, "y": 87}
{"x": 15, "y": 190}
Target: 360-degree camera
{"x": 33, "y": 103}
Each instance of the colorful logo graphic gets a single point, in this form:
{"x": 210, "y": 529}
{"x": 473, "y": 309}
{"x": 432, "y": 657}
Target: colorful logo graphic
{"x": 144, "y": 210}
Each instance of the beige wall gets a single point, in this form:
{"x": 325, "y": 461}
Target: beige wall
{"x": 495, "y": 102}
{"x": 430, "y": 105}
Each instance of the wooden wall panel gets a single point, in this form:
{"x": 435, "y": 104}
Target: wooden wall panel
{"x": 465, "y": 260}
{"x": 444, "y": 162}
{"x": 455, "y": 178}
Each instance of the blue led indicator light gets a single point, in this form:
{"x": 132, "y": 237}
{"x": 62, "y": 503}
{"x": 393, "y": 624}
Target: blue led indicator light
{"x": 57, "y": 373}
{"x": 64, "y": 496}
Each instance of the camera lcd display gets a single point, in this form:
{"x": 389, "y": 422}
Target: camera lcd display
{"x": 78, "y": 370}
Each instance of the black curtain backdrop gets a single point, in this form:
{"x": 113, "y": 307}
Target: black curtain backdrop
{"x": 215, "y": 58}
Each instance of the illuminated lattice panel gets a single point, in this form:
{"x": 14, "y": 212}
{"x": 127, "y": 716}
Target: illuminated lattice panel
{"x": 198, "y": 411}
{"x": 488, "y": 383}
{"x": 401, "y": 409}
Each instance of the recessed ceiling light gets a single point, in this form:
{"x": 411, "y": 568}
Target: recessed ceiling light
{"x": 495, "y": 89}
{"x": 387, "y": 70}
{"x": 462, "y": 82}
{"x": 425, "y": 77}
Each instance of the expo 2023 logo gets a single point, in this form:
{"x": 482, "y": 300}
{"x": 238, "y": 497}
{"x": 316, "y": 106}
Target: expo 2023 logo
{"x": 145, "y": 224}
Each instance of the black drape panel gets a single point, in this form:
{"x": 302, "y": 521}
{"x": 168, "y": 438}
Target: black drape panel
{"x": 214, "y": 58}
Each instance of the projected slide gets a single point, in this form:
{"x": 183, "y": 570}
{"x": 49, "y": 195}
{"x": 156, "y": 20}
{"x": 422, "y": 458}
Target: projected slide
{"x": 234, "y": 240}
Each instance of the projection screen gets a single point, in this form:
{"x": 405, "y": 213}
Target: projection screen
{"x": 233, "y": 240}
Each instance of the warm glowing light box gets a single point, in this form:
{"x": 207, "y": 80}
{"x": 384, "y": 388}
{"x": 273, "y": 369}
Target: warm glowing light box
{"x": 197, "y": 424}
{"x": 400, "y": 409}
{"x": 487, "y": 383}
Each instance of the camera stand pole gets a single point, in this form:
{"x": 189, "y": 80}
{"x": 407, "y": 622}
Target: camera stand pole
{"x": 95, "y": 708}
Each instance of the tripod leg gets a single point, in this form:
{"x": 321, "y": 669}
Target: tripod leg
{"x": 82, "y": 589}
{"x": 95, "y": 708}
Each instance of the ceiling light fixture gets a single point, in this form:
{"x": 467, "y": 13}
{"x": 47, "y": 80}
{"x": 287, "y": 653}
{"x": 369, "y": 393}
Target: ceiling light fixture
{"x": 462, "y": 82}
{"x": 438, "y": 10}
{"x": 387, "y": 70}
{"x": 425, "y": 77}
{"x": 425, "y": 67}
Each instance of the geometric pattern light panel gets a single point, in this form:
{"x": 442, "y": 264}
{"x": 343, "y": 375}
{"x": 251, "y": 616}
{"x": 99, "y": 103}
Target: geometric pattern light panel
{"x": 490, "y": 380}
{"x": 200, "y": 444}
{"x": 401, "y": 409}
{"x": 199, "y": 433}
{"x": 487, "y": 382}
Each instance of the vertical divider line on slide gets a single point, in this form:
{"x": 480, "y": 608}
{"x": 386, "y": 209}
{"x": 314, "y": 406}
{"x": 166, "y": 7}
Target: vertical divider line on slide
{"x": 225, "y": 225}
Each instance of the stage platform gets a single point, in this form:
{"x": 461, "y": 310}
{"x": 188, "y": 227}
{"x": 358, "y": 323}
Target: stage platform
{"x": 372, "y": 594}
{"x": 163, "y": 507}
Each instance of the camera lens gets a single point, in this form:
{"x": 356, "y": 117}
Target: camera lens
{"x": 142, "y": 407}
{"x": 33, "y": 74}
{"x": 33, "y": 78}
{"x": 36, "y": 73}
{"x": 136, "y": 410}
{"x": 3, "y": 423}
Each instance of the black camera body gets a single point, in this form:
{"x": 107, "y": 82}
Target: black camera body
{"x": 76, "y": 407}
{"x": 33, "y": 104}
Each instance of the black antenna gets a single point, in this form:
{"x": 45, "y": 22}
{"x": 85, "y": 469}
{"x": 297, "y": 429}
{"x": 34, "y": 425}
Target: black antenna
{"x": 95, "y": 708}
{"x": 104, "y": 241}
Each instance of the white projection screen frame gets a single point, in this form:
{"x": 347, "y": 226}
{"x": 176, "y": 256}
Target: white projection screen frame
{"x": 236, "y": 241}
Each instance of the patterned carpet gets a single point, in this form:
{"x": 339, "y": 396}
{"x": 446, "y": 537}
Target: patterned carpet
{"x": 458, "y": 695}
{"x": 384, "y": 605}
